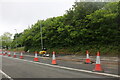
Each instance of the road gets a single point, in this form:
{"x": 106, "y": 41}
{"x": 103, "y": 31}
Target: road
{"x": 113, "y": 69}
{"x": 27, "y": 68}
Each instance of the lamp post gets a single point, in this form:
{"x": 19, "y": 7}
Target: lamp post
{"x": 2, "y": 44}
{"x": 41, "y": 36}
{"x": 16, "y": 37}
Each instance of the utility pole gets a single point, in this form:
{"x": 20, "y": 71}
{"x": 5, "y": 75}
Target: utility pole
{"x": 41, "y": 36}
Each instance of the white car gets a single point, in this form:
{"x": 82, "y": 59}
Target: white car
{"x": 46, "y": 55}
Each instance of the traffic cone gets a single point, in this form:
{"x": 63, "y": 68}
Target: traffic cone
{"x": 21, "y": 56}
{"x": 14, "y": 55}
{"x": 53, "y": 58}
{"x": 36, "y": 58}
{"x": 5, "y": 53}
{"x": 98, "y": 65}
{"x": 1, "y": 52}
{"x": 9, "y": 54}
{"x": 87, "y": 61}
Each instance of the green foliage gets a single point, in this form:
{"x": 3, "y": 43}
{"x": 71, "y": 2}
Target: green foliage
{"x": 83, "y": 26}
{"x": 6, "y": 40}
{"x": 103, "y": 24}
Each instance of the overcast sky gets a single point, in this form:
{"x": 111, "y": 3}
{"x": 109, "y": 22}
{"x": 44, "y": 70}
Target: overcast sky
{"x": 19, "y": 14}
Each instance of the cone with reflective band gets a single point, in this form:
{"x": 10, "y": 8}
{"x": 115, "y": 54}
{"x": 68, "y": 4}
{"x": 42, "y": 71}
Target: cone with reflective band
{"x": 98, "y": 65}
{"x": 9, "y": 54}
{"x": 87, "y": 61}
{"x": 14, "y": 55}
{"x": 3, "y": 53}
{"x": 53, "y": 59}
{"x": 36, "y": 58}
{"x": 0, "y": 51}
{"x": 21, "y": 55}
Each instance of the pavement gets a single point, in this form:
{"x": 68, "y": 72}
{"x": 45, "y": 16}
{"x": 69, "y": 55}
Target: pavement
{"x": 27, "y": 68}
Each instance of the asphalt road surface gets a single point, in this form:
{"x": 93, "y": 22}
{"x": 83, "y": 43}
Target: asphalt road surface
{"x": 27, "y": 68}
{"x": 112, "y": 69}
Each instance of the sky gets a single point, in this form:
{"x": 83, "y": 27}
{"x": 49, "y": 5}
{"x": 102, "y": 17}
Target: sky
{"x": 19, "y": 14}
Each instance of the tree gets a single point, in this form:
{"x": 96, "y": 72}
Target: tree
{"x": 85, "y": 24}
{"x": 102, "y": 24}
{"x": 6, "y": 40}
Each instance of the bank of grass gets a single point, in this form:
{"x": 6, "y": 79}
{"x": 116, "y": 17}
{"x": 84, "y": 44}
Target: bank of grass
{"x": 17, "y": 49}
{"x": 78, "y": 50}
{"x": 81, "y": 50}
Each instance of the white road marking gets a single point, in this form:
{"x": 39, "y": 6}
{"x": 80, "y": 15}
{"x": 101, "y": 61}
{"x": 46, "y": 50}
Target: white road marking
{"x": 6, "y": 75}
{"x": 29, "y": 55}
{"x": 37, "y": 56}
{"x": 62, "y": 67}
{"x": 79, "y": 58}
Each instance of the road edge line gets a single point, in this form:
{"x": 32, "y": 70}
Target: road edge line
{"x": 73, "y": 69}
{"x": 5, "y": 75}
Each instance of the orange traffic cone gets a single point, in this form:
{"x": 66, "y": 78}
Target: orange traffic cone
{"x": 53, "y": 58}
{"x": 9, "y": 54}
{"x": 5, "y": 53}
{"x": 98, "y": 65}
{"x": 1, "y": 52}
{"x": 36, "y": 58}
{"x": 87, "y": 61}
{"x": 14, "y": 55}
{"x": 21, "y": 56}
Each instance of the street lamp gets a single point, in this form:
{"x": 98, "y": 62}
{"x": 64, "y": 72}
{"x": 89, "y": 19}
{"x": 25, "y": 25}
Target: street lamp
{"x": 16, "y": 37}
{"x": 15, "y": 30}
{"x": 2, "y": 44}
{"x": 41, "y": 36}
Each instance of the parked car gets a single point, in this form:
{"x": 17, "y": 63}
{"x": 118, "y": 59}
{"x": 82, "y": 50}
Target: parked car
{"x": 46, "y": 55}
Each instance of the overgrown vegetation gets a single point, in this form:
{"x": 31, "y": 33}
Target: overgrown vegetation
{"x": 87, "y": 25}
